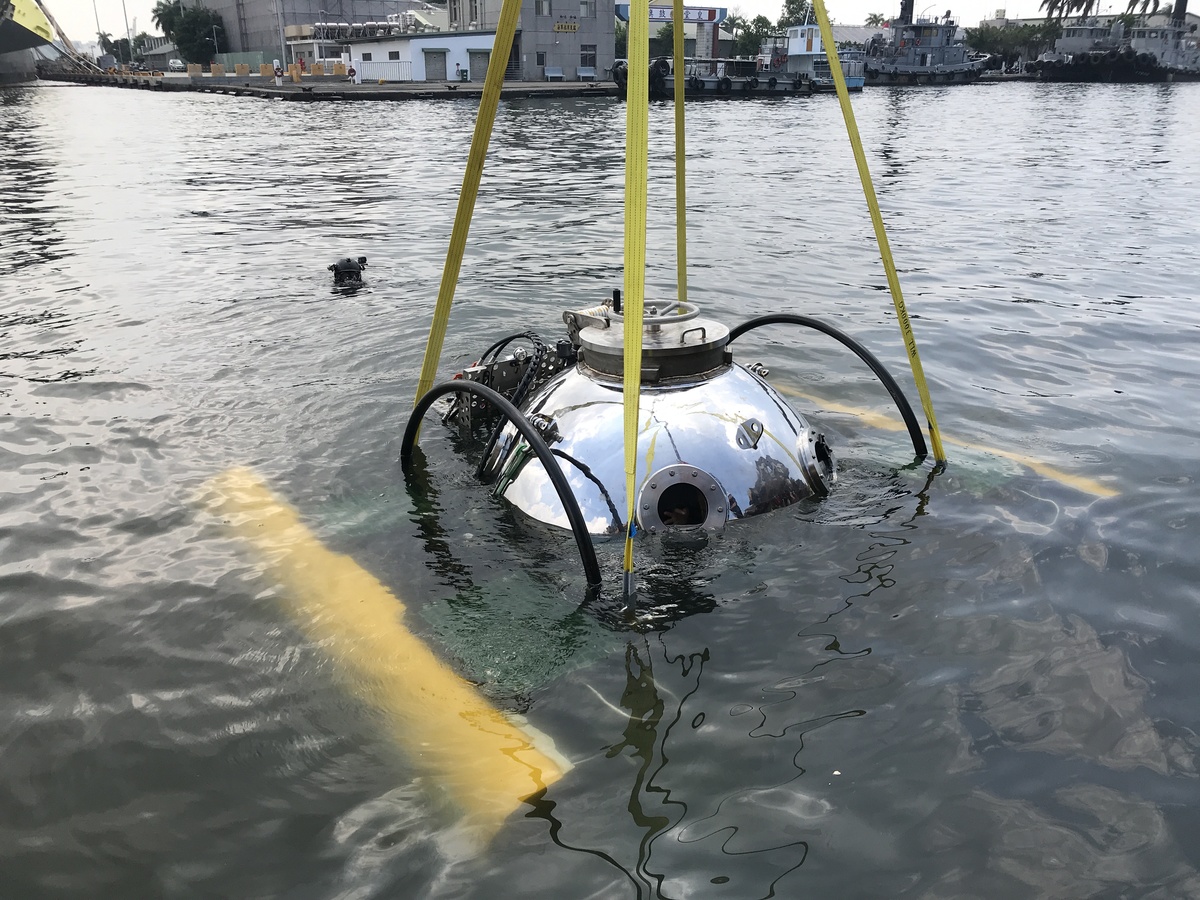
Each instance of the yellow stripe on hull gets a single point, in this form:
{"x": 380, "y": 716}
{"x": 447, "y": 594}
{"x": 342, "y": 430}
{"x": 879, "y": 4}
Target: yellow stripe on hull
{"x": 486, "y": 764}
{"x": 877, "y": 420}
{"x": 29, "y": 16}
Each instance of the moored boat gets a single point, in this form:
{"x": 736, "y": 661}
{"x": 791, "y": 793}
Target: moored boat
{"x": 800, "y": 52}
{"x": 716, "y": 77}
{"x": 1156, "y": 49}
{"x": 924, "y": 51}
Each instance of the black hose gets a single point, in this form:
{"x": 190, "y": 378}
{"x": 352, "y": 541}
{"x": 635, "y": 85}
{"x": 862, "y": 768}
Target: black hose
{"x": 583, "y": 540}
{"x": 906, "y": 412}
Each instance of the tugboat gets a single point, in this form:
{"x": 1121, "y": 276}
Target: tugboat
{"x": 801, "y": 54}
{"x": 922, "y": 52}
{"x": 1089, "y": 51}
{"x": 709, "y": 78}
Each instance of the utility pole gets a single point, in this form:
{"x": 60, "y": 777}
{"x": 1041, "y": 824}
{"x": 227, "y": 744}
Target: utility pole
{"x": 282, "y": 42}
{"x": 128, "y": 36}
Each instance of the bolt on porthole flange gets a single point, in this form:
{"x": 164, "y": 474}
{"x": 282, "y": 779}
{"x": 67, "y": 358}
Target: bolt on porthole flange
{"x": 681, "y": 496}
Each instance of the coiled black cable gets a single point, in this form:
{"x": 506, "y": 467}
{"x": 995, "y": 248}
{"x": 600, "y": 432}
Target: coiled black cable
{"x": 540, "y": 349}
{"x": 583, "y": 539}
{"x": 906, "y": 411}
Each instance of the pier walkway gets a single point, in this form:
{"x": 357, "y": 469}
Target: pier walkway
{"x": 333, "y": 87}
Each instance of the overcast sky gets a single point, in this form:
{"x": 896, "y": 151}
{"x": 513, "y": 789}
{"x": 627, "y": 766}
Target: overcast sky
{"x": 78, "y": 19}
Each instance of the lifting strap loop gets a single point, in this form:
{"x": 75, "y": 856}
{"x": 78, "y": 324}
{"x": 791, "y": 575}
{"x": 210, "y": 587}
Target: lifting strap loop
{"x": 510, "y": 13}
{"x": 680, "y": 160}
{"x": 885, "y": 250}
{"x": 637, "y": 115}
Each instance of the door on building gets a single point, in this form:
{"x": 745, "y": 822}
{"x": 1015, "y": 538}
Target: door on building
{"x": 435, "y": 65}
{"x": 477, "y": 60}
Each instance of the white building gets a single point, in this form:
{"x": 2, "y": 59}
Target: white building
{"x": 571, "y": 40}
{"x": 435, "y": 56}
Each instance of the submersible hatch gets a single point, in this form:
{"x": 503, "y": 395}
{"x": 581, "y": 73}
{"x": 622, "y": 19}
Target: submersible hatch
{"x": 715, "y": 441}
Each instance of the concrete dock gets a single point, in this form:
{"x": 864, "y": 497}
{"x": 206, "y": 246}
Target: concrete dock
{"x": 333, "y": 87}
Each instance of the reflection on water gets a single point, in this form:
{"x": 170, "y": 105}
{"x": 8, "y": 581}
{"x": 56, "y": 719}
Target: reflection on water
{"x": 979, "y": 684}
{"x": 27, "y": 186}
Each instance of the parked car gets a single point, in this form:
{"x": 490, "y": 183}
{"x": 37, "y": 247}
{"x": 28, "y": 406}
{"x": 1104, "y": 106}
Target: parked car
{"x": 176, "y": 65}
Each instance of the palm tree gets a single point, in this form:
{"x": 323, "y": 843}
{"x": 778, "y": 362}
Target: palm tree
{"x": 1142, "y": 7}
{"x": 874, "y": 20}
{"x": 167, "y": 15}
{"x": 1063, "y": 9}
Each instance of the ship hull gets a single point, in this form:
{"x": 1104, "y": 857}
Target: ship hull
{"x": 23, "y": 29}
{"x": 18, "y": 67}
{"x": 1085, "y": 69}
{"x": 877, "y": 77}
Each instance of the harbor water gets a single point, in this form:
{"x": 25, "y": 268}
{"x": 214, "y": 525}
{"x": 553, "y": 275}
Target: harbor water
{"x": 979, "y": 683}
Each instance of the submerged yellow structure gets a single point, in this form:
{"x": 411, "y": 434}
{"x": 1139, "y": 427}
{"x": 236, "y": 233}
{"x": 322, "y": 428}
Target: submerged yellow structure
{"x": 486, "y": 763}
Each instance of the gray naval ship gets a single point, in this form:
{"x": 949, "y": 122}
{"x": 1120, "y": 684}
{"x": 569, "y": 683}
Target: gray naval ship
{"x": 924, "y": 51}
{"x": 1158, "y": 48}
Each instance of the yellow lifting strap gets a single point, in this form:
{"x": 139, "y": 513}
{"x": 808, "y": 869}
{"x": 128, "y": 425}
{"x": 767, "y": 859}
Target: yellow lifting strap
{"x": 885, "y": 250}
{"x": 680, "y": 159}
{"x": 486, "y": 763}
{"x": 637, "y": 124}
{"x": 510, "y": 13}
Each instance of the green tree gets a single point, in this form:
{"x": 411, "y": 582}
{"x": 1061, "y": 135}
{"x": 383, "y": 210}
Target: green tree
{"x": 1065, "y": 9}
{"x": 749, "y": 42}
{"x": 166, "y": 16}
{"x": 140, "y": 41}
{"x": 795, "y": 12}
{"x": 621, "y": 43}
{"x": 663, "y": 43}
{"x": 194, "y": 34}
{"x": 118, "y": 48}
{"x": 1142, "y": 7}
{"x": 1012, "y": 42}
{"x": 746, "y": 44}
{"x": 874, "y": 20}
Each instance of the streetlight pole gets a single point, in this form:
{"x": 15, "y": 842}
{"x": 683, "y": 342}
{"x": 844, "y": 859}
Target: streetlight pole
{"x": 282, "y": 42}
{"x": 128, "y": 36}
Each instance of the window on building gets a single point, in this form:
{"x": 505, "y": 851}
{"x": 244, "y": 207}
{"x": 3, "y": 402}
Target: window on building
{"x": 366, "y": 57}
{"x": 455, "y": 10}
{"x": 587, "y": 9}
{"x": 393, "y": 54}
{"x": 542, "y": 8}
{"x": 541, "y": 57}
{"x": 587, "y": 55}
{"x": 475, "y": 17}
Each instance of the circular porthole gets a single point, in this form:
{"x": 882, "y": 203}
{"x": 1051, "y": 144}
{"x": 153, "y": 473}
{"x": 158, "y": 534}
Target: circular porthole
{"x": 681, "y": 497}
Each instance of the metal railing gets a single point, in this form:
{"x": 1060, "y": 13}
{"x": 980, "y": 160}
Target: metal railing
{"x": 391, "y": 70}
{"x": 253, "y": 59}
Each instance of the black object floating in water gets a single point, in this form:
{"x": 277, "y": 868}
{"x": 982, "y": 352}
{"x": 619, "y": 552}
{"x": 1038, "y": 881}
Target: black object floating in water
{"x": 348, "y": 270}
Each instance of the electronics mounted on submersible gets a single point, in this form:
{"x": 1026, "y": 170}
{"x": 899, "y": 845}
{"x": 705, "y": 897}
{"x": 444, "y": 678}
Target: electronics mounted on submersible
{"x": 716, "y": 442}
